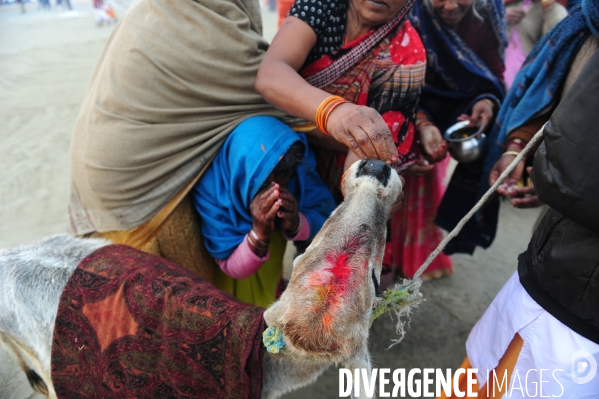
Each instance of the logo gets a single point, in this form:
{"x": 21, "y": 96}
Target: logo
{"x": 584, "y": 367}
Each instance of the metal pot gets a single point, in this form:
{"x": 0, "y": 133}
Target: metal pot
{"x": 465, "y": 143}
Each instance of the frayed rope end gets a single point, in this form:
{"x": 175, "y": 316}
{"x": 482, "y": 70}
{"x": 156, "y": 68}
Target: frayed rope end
{"x": 402, "y": 299}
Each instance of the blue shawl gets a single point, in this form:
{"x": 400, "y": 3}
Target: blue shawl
{"x": 538, "y": 83}
{"x": 456, "y": 77}
{"x": 251, "y": 152}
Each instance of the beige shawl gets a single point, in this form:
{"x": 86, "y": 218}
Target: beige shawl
{"x": 175, "y": 77}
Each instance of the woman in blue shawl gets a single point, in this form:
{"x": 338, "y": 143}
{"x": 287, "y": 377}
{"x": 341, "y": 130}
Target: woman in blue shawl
{"x": 537, "y": 89}
{"x": 465, "y": 41}
{"x": 464, "y": 57}
{"x": 252, "y": 199}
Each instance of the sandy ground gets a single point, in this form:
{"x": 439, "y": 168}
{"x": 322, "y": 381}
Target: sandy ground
{"x": 46, "y": 60}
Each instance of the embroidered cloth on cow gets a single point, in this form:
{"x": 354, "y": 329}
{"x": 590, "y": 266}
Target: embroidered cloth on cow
{"x": 130, "y": 324}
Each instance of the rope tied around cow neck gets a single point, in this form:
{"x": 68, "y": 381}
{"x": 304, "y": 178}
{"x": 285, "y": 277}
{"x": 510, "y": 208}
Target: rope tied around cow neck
{"x": 406, "y": 296}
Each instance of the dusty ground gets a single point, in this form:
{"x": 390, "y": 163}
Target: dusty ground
{"x": 46, "y": 60}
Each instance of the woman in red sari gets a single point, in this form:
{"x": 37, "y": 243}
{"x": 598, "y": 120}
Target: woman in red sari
{"x": 366, "y": 52}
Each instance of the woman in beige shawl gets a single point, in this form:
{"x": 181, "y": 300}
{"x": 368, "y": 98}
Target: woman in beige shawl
{"x": 173, "y": 80}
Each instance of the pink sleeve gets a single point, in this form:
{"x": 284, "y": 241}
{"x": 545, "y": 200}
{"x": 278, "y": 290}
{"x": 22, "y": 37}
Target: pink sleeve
{"x": 304, "y": 232}
{"x": 243, "y": 262}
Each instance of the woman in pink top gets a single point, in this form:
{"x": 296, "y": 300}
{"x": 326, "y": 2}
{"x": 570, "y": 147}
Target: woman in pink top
{"x": 261, "y": 190}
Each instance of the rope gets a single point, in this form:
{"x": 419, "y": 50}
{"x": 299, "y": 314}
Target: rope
{"x": 391, "y": 297}
{"x": 406, "y": 296}
{"x": 478, "y": 205}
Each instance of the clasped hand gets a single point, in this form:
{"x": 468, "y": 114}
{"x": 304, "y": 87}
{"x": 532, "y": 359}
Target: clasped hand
{"x": 274, "y": 202}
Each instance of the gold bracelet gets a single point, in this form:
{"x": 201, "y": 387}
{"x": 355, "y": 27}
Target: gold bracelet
{"x": 514, "y": 153}
{"x": 491, "y": 103}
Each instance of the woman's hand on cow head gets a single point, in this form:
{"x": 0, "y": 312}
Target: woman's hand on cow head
{"x": 264, "y": 208}
{"x": 362, "y": 130}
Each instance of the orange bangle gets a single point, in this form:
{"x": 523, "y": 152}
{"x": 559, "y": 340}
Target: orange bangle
{"x": 329, "y": 110}
{"x": 320, "y": 111}
{"x": 322, "y": 106}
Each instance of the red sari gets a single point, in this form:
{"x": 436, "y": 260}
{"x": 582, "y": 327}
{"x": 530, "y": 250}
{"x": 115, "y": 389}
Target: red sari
{"x": 389, "y": 78}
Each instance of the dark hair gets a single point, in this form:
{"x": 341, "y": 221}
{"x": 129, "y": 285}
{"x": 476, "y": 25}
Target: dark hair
{"x": 288, "y": 163}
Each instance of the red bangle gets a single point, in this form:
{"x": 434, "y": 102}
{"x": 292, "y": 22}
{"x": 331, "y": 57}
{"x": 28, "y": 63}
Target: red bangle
{"x": 517, "y": 142}
{"x": 425, "y": 122}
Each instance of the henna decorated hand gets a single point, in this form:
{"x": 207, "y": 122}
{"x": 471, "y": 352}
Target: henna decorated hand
{"x": 362, "y": 130}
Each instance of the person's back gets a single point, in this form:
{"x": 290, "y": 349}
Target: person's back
{"x": 541, "y": 332}
{"x": 560, "y": 268}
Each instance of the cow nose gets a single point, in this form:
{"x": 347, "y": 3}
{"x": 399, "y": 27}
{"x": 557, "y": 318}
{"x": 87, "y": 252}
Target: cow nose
{"x": 375, "y": 168}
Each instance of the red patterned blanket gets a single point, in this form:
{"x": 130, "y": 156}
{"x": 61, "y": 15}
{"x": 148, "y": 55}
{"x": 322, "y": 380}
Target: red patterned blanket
{"x": 131, "y": 324}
